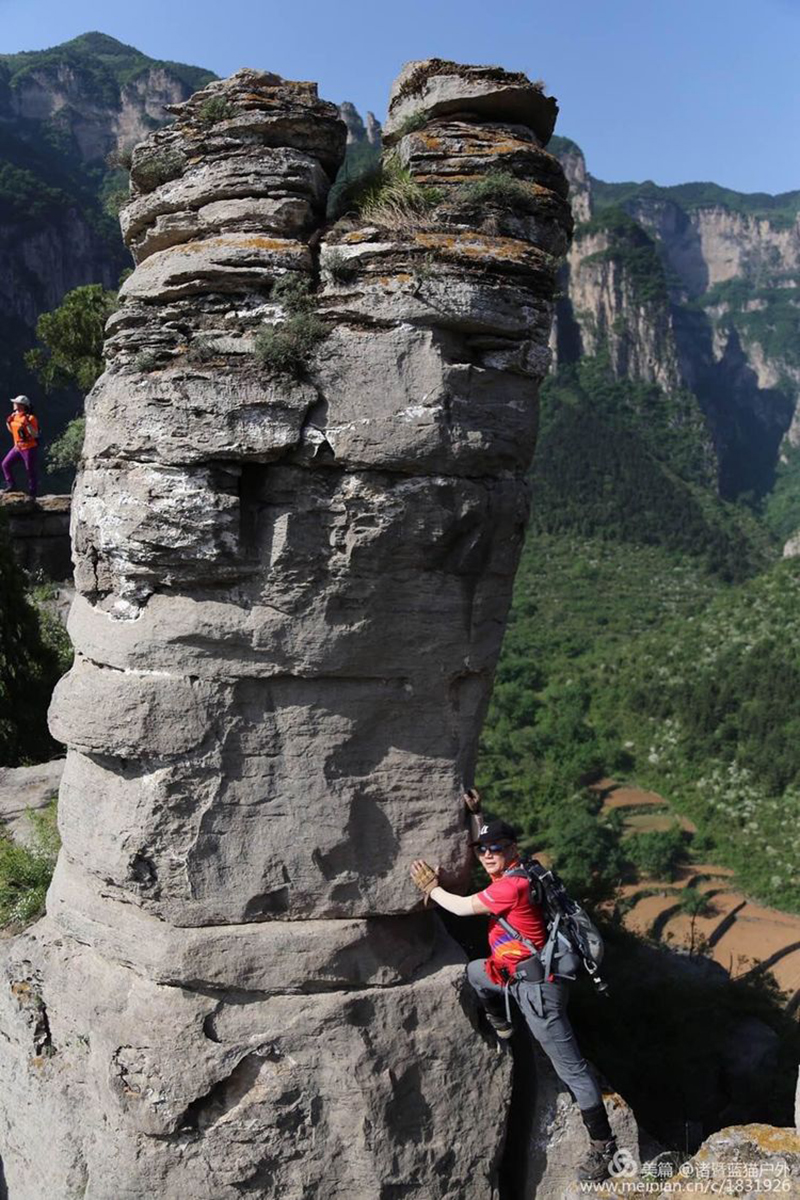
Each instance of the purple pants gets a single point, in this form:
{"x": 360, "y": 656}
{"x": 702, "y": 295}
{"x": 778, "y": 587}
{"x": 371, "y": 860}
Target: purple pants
{"x": 28, "y": 457}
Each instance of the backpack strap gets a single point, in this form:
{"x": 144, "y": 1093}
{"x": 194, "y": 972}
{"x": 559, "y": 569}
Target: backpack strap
{"x": 533, "y": 875}
{"x": 549, "y": 950}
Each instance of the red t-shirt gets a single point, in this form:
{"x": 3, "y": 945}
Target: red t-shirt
{"x": 509, "y": 897}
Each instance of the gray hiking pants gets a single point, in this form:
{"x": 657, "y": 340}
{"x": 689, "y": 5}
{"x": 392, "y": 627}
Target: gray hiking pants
{"x": 544, "y": 1007}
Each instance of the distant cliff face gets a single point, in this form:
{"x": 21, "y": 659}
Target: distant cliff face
{"x": 693, "y": 287}
{"x": 619, "y": 303}
{"x": 58, "y": 95}
{"x": 62, "y": 113}
{"x": 360, "y": 132}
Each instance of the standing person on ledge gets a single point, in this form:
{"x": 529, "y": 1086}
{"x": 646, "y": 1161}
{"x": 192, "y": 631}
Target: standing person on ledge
{"x": 512, "y": 970}
{"x": 24, "y": 430}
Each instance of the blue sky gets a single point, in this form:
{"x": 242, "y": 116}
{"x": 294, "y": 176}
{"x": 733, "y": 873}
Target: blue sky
{"x": 670, "y": 90}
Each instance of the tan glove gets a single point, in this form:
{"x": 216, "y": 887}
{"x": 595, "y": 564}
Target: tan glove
{"x": 424, "y": 877}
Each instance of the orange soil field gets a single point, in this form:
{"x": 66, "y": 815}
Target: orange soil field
{"x": 755, "y": 932}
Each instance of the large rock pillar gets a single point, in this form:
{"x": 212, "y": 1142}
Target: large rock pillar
{"x": 295, "y": 533}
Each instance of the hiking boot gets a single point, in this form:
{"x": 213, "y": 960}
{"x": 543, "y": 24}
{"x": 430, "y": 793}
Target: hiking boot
{"x": 593, "y": 1167}
{"x": 501, "y": 1026}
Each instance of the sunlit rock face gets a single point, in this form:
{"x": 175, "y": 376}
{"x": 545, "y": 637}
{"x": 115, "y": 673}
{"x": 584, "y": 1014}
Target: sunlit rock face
{"x": 293, "y": 585}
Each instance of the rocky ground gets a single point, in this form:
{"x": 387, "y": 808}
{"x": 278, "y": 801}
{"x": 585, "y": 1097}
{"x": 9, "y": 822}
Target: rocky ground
{"x": 24, "y": 790}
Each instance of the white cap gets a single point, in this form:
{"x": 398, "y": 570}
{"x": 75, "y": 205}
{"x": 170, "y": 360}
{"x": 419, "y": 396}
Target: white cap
{"x": 21, "y": 400}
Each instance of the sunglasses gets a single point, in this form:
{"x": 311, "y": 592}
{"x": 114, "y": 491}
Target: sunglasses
{"x": 495, "y": 848}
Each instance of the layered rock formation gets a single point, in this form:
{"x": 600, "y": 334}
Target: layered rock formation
{"x": 39, "y": 534}
{"x": 295, "y": 535}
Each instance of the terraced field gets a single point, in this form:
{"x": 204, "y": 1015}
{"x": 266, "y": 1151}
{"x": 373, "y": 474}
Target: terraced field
{"x": 739, "y": 934}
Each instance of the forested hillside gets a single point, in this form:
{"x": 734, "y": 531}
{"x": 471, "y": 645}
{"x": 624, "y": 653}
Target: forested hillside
{"x": 655, "y": 637}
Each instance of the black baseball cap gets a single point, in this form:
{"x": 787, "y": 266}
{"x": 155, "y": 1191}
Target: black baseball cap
{"x": 495, "y": 831}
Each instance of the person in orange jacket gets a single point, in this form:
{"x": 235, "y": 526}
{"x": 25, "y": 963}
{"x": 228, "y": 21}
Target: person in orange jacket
{"x": 24, "y": 429}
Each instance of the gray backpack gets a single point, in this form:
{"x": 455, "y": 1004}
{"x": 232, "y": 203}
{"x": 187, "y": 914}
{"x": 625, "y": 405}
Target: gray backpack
{"x": 572, "y": 937}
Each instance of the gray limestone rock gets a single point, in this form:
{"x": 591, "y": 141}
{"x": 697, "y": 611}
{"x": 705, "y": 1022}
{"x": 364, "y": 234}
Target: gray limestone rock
{"x": 762, "y": 1159}
{"x": 141, "y": 1089}
{"x": 293, "y": 571}
{"x": 557, "y": 1139}
{"x": 24, "y": 790}
{"x": 436, "y": 88}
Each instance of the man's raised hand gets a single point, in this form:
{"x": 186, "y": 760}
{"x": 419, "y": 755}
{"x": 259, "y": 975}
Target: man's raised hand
{"x": 472, "y": 799}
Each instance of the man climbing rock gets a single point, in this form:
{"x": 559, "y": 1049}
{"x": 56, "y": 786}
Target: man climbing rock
{"x": 517, "y": 931}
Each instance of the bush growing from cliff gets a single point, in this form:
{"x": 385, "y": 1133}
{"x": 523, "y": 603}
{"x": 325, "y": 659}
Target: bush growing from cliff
{"x": 65, "y": 452}
{"x": 412, "y": 122}
{"x": 71, "y": 339}
{"x": 287, "y": 348}
{"x": 215, "y": 109}
{"x": 293, "y": 292}
{"x": 120, "y": 159}
{"x": 339, "y": 268}
{"x": 146, "y": 360}
{"x": 156, "y": 166}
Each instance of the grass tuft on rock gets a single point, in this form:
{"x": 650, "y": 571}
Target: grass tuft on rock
{"x": 389, "y": 196}
{"x": 214, "y": 109}
{"x": 286, "y": 349}
{"x": 496, "y": 187}
{"x": 411, "y": 123}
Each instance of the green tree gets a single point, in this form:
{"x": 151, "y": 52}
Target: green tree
{"x": 71, "y": 339}
{"x": 29, "y": 670}
{"x": 65, "y": 452}
{"x": 586, "y": 851}
{"x": 695, "y": 904}
{"x": 657, "y": 853}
